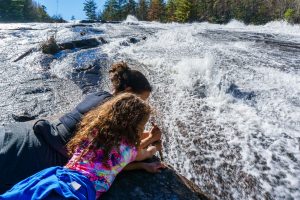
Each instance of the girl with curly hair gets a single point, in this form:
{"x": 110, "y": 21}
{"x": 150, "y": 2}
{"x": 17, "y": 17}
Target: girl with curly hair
{"x": 26, "y": 148}
{"x": 106, "y": 141}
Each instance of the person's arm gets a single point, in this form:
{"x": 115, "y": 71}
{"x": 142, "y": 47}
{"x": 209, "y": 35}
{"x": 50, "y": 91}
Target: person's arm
{"x": 152, "y": 167}
{"x": 145, "y": 135}
{"x": 150, "y": 137}
{"x": 134, "y": 166}
{"x": 146, "y": 142}
{"x": 144, "y": 154}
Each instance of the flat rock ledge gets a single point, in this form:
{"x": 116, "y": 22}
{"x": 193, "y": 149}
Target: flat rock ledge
{"x": 166, "y": 185}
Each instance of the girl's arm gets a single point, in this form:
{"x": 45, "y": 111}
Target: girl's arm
{"x": 144, "y": 154}
{"x": 150, "y": 137}
{"x": 146, "y": 140}
{"x": 153, "y": 167}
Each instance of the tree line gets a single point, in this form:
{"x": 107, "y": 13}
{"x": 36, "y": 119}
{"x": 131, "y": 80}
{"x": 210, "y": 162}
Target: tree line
{"x": 216, "y": 11}
{"x": 25, "y": 11}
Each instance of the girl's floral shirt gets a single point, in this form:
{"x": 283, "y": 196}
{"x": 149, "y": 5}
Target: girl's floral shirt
{"x": 92, "y": 167}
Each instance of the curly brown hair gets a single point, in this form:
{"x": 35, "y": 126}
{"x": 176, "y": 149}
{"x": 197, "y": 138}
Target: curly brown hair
{"x": 107, "y": 125}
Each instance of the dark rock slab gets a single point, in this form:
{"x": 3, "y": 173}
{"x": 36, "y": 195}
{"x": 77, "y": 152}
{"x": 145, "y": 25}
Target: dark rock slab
{"x": 161, "y": 186}
{"x": 24, "y": 54}
{"x": 236, "y": 92}
{"x": 132, "y": 40}
{"x": 37, "y": 90}
{"x": 88, "y": 77}
{"x": 82, "y": 44}
{"x": 51, "y": 47}
{"x": 80, "y": 25}
{"x": 23, "y": 117}
{"x": 102, "y": 40}
{"x": 90, "y": 21}
{"x": 99, "y": 21}
{"x": 24, "y": 29}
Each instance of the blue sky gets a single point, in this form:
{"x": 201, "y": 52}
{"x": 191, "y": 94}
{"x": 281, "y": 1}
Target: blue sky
{"x": 67, "y": 8}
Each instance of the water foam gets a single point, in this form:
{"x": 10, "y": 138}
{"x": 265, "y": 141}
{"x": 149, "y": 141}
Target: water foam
{"x": 131, "y": 19}
{"x": 228, "y": 104}
{"x": 225, "y": 140}
{"x": 274, "y": 27}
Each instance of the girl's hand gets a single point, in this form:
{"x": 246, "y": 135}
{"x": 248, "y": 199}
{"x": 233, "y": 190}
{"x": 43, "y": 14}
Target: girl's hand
{"x": 144, "y": 154}
{"x": 151, "y": 150}
{"x": 155, "y": 133}
{"x": 157, "y": 145}
{"x": 153, "y": 167}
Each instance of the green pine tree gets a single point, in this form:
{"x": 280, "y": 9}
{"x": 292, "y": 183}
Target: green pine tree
{"x": 42, "y": 14}
{"x": 90, "y": 7}
{"x": 289, "y": 15}
{"x": 22, "y": 11}
{"x": 142, "y": 10}
{"x": 111, "y": 11}
{"x": 170, "y": 9}
{"x": 4, "y": 4}
{"x": 183, "y": 9}
{"x": 129, "y": 8}
{"x": 29, "y": 10}
{"x": 16, "y": 10}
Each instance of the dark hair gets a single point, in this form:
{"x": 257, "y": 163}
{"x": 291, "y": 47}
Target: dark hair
{"x": 123, "y": 77}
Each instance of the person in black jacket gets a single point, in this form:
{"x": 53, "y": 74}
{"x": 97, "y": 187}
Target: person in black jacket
{"x": 26, "y": 148}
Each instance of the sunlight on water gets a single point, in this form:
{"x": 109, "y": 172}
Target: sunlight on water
{"x": 223, "y": 98}
{"x": 227, "y": 96}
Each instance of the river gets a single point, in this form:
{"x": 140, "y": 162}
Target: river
{"x": 226, "y": 96}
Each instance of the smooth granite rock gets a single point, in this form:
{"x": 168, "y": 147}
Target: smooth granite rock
{"x": 166, "y": 185}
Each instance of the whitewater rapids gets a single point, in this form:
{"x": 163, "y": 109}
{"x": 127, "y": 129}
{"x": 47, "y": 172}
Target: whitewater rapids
{"x": 227, "y": 96}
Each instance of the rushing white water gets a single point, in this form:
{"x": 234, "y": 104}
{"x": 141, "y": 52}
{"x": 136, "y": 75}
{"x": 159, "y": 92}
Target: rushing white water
{"x": 227, "y": 96}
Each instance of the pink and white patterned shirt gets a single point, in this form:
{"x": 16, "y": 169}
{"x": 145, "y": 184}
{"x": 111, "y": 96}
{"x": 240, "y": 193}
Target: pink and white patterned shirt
{"x": 100, "y": 175}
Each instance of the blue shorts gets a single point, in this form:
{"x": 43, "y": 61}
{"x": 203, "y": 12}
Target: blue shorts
{"x": 53, "y": 183}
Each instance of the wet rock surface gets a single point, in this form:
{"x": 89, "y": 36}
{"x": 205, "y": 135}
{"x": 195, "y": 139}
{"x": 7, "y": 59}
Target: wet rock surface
{"x": 82, "y": 44}
{"x": 40, "y": 85}
{"x": 164, "y": 185}
{"x": 23, "y": 117}
{"x": 52, "y": 47}
{"x": 227, "y": 95}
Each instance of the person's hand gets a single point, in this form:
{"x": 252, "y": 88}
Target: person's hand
{"x": 155, "y": 133}
{"x": 152, "y": 149}
{"x": 157, "y": 145}
{"x": 149, "y": 152}
{"x": 154, "y": 167}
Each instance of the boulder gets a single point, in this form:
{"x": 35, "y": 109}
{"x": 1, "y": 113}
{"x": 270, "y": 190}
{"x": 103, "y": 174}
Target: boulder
{"x": 50, "y": 46}
{"x": 236, "y": 92}
{"x": 82, "y": 44}
{"x": 133, "y": 40}
{"x": 142, "y": 185}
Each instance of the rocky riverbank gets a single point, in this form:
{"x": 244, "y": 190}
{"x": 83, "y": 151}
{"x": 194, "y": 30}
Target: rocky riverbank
{"x": 227, "y": 96}
{"x": 161, "y": 186}
{"x": 30, "y": 94}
